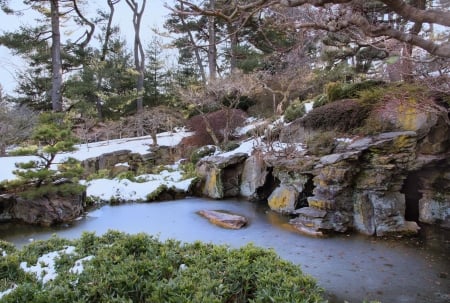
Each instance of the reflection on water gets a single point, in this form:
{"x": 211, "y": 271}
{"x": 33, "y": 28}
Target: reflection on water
{"x": 349, "y": 267}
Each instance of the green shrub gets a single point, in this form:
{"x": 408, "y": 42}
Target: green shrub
{"x": 100, "y": 174}
{"x": 295, "y": 110}
{"x": 338, "y": 91}
{"x": 154, "y": 194}
{"x": 36, "y": 178}
{"x": 201, "y": 152}
{"x": 188, "y": 170}
{"x": 140, "y": 268}
{"x": 334, "y": 91}
{"x": 320, "y": 100}
{"x": 230, "y": 145}
{"x": 129, "y": 175}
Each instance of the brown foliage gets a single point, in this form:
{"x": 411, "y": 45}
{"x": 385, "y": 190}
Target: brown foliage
{"x": 217, "y": 120}
{"x": 343, "y": 116}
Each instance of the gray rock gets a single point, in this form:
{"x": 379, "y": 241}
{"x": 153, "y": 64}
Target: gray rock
{"x": 221, "y": 175}
{"x": 48, "y": 211}
{"x": 253, "y": 176}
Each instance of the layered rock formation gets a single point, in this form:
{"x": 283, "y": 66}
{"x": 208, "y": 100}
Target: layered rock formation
{"x": 43, "y": 211}
{"x": 376, "y": 185}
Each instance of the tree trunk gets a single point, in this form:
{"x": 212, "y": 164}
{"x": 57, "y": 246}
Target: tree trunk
{"x": 105, "y": 50}
{"x": 56, "y": 94}
{"x": 234, "y": 41}
{"x": 408, "y": 63}
{"x": 212, "y": 49}
{"x": 195, "y": 48}
{"x": 139, "y": 55}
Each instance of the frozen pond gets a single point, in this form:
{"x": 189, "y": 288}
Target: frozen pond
{"x": 350, "y": 267}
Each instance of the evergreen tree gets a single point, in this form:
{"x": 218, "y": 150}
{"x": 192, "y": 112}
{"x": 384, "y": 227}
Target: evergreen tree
{"x": 154, "y": 73}
{"x": 42, "y": 176}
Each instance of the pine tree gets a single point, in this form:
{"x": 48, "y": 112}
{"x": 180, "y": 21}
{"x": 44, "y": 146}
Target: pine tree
{"x": 42, "y": 176}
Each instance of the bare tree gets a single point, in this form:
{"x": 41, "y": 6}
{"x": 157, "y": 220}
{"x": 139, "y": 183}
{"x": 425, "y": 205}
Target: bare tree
{"x": 153, "y": 120}
{"x": 224, "y": 95}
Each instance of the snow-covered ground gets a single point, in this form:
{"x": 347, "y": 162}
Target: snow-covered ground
{"x": 105, "y": 189}
{"x": 84, "y": 151}
{"x": 126, "y": 190}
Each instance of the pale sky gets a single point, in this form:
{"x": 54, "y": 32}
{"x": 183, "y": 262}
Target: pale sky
{"x": 154, "y": 16}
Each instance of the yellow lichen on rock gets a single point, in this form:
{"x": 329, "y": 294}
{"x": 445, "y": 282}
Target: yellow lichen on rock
{"x": 283, "y": 199}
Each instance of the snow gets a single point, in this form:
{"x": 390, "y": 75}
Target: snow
{"x": 309, "y": 106}
{"x": 251, "y": 125}
{"x": 126, "y": 190}
{"x": 84, "y": 151}
{"x": 45, "y": 266}
{"x": 78, "y": 267}
{"x": 344, "y": 140}
{"x": 103, "y": 190}
{"x": 4, "y": 293}
{"x": 246, "y": 146}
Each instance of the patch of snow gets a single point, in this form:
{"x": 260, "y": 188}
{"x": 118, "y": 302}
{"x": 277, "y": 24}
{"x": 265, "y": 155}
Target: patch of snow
{"x": 344, "y": 140}
{"x": 309, "y": 106}
{"x": 78, "y": 267}
{"x": 8, "y": 291}
{"x": 126, "y": 190}
{"x": 280, "y": 147}
{"x": 255, "y": 123}
{"x": 122, "y": 164}
{"x": 45, "y": 266}
{"x": 246, "y": 146}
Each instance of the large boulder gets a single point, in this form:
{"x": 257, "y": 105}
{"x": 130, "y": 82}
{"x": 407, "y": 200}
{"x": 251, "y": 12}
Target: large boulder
{"x": 42, "y": 211}
{"x": 221, "y": 175}
{"x": 254, "y": 176}
{"x": 283, "y": 199}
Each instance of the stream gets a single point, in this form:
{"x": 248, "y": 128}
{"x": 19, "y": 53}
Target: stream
{"x": 350, "y": 267}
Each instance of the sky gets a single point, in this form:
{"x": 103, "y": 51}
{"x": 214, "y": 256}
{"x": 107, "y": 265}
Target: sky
{"x": 154, "y": 16}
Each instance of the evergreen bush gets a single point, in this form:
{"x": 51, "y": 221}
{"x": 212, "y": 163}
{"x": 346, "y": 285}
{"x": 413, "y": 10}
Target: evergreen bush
{"x": 140, "y": 268}
{"x": 295, "y": 110}
{"x": 42, "y": 176}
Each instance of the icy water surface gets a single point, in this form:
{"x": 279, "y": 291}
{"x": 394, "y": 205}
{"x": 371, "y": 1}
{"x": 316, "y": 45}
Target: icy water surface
{"x": 350, "y": 268}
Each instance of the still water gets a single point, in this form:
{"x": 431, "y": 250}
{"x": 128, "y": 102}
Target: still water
{"x": 350, "y": 268}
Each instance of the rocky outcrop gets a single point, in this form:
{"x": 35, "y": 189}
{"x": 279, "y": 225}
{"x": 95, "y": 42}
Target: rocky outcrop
{"x": 41, "y": 211}
{"x": 223, "y": 219}
{"x": 376, "y": 185}
{"x": 221, "y": 175}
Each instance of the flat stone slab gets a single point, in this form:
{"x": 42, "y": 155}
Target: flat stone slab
{"x": 224, "y": 219}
